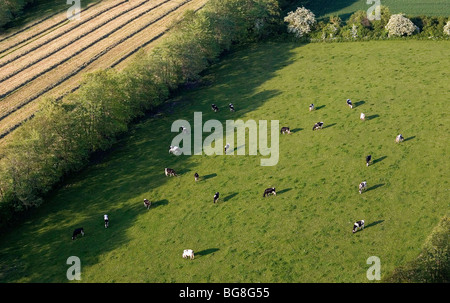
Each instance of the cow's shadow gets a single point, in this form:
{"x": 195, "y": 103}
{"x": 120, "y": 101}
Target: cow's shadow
{"x": 379, "y": 160}
{"x": 159, "y": 203}
{"x": 319, "y": 107}
{"x": 229, "y": 197}
{"x": 409, "y": 138}
{"x": 206, "y": 251}
{"x": 296, "y": 130}
{"x": 329, "y": 125}
{"x": 283, "y": 191}
{"x": 373, "y": 223}
{"x": 359, "y": 103}
{"x": 372, "y": 117}
{"x": 209, "y": 176}
{"x": 375, "y": 186}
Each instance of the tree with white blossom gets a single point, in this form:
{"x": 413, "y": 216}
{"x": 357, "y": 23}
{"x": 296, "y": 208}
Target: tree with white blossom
{"x": 300, "y": 22}
{"x": 399, "y": 25}
{"x": 447, "y": 28}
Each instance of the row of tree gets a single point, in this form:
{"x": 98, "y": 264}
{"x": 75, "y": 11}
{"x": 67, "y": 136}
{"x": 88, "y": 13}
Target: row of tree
{"x": 63, "y": 134}
{"x": 361, "y": 26}
{"x": 11, "y": 9}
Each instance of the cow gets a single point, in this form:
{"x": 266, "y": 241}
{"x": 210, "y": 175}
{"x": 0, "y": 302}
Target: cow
{"x": 231, "y": 107}
{"x": 368, "y": 159}
{"x": 399, "y": 138}
{"x": 175, "y": 150}
{"x": 106, "y": 219}
{"x": 318, "y": 125}
{"x": 311, "y": 107}
{"x": 216, "y": 197}
{"x": 362, "y": 116}
{"x": 184, "y": 130}
{"x": 196, "y": 176}
{"x": 227, "y": 146}
{"x": 214, "y": 108}
{"x": 170, "y": 172}
{"x": 188, "y": 253}
{"x": 269, "y": 191}
{"x": 77, "y": 231}
{"x": 362, "y": 186}
{"x": 358, "y": 225}
{"x": 285, "y": 130}
{"x": 147, "y": 203}
{"x": 349, "y": 103}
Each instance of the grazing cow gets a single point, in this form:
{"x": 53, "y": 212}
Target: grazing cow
{"x": 231, "y": 107}
{"x": 227, "y": 146}
{"x": 214, "y": 108}
{"x": 399, "y": 138}
{"x": 358, "y": 225}
{"x": 196, "y": 176}
{"x": 311, "y": 107}
{"x": 362, "y": 116}
{"x": 77, "y": 231}
{"x": 147, "y": 203}
{"x": 175, "y": 150}
{"x": 368, "y": 159}
{"x": 285, "y": 130}
{"x": 184, "y": 130}
{"x": 169, "y": 172}
{"x": 349, "y": 103}
{"x": 216, "y": 197}
{"x": 362, "y": 186}
{"x": 188, "y": 253}
{"x": 106, "y": 219}
{"x": 269, "y": 191}
{"x": 318, "y": 125}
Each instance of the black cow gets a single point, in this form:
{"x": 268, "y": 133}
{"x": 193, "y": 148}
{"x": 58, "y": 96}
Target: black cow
{"x": 77, "y": 231}
{"x": 196, "y": 176}
{"x": 269, "y": 191}
{"x": 349, "y": 103}
{"x": 368, "y": 159}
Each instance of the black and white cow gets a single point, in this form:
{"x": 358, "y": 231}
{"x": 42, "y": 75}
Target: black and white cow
{"x": 106, "y": 219}
{"x": 231, "y": 107}
{"x": 368, "y": 159}
{"x": 175, "y": 150}
{"x": 147, "y": 203}
{"x": 196, "y": 176}
{"x": 399, "y": 138}
{"x": 269, "y": 191}
{"x": 77, "y": 231}
{"x": 362, "y": 186}
{"x": 349, "y": 103}
{"x": 216, "y": 197}
{"x": 285, "y": 130}
{"x": 214, "y": 108}
{"x": 318, "y": 125}
{"x": 358, "y": 225}
{"x": 311, "y": 107}
{"x": 227, "y": 146}
{"x": 184, "y": 130}
{"x": 169, "y": 172}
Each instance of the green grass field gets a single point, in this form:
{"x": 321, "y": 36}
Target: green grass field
{"x": 301, "y": 235}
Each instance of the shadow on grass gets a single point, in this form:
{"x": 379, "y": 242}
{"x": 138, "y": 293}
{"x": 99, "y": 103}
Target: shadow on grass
{"x": 319, "y": 107}
{"x": 229, "y": 197}
{"x": 295, "y": 130}
{"x": 208, "y": 176}
{"x": 359, "y": 103}
{"x": 372, "y": 117}
{"x": 283, "y": 191}
{"x": 373, "y": 224}
{"x": 162, "y": 202}
{"x": 375, "y": 187}
{"x": 329, "y": 125}
{"x": 409, "y": 138}
{"x": 206, "y": 252}
{"x": 379, "y": 160}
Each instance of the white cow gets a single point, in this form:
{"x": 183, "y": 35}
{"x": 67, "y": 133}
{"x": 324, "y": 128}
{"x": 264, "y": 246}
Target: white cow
{"x": 399, "y": 138}
{"x": 362, "y": 116}
{"x": 188, "y": 253}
